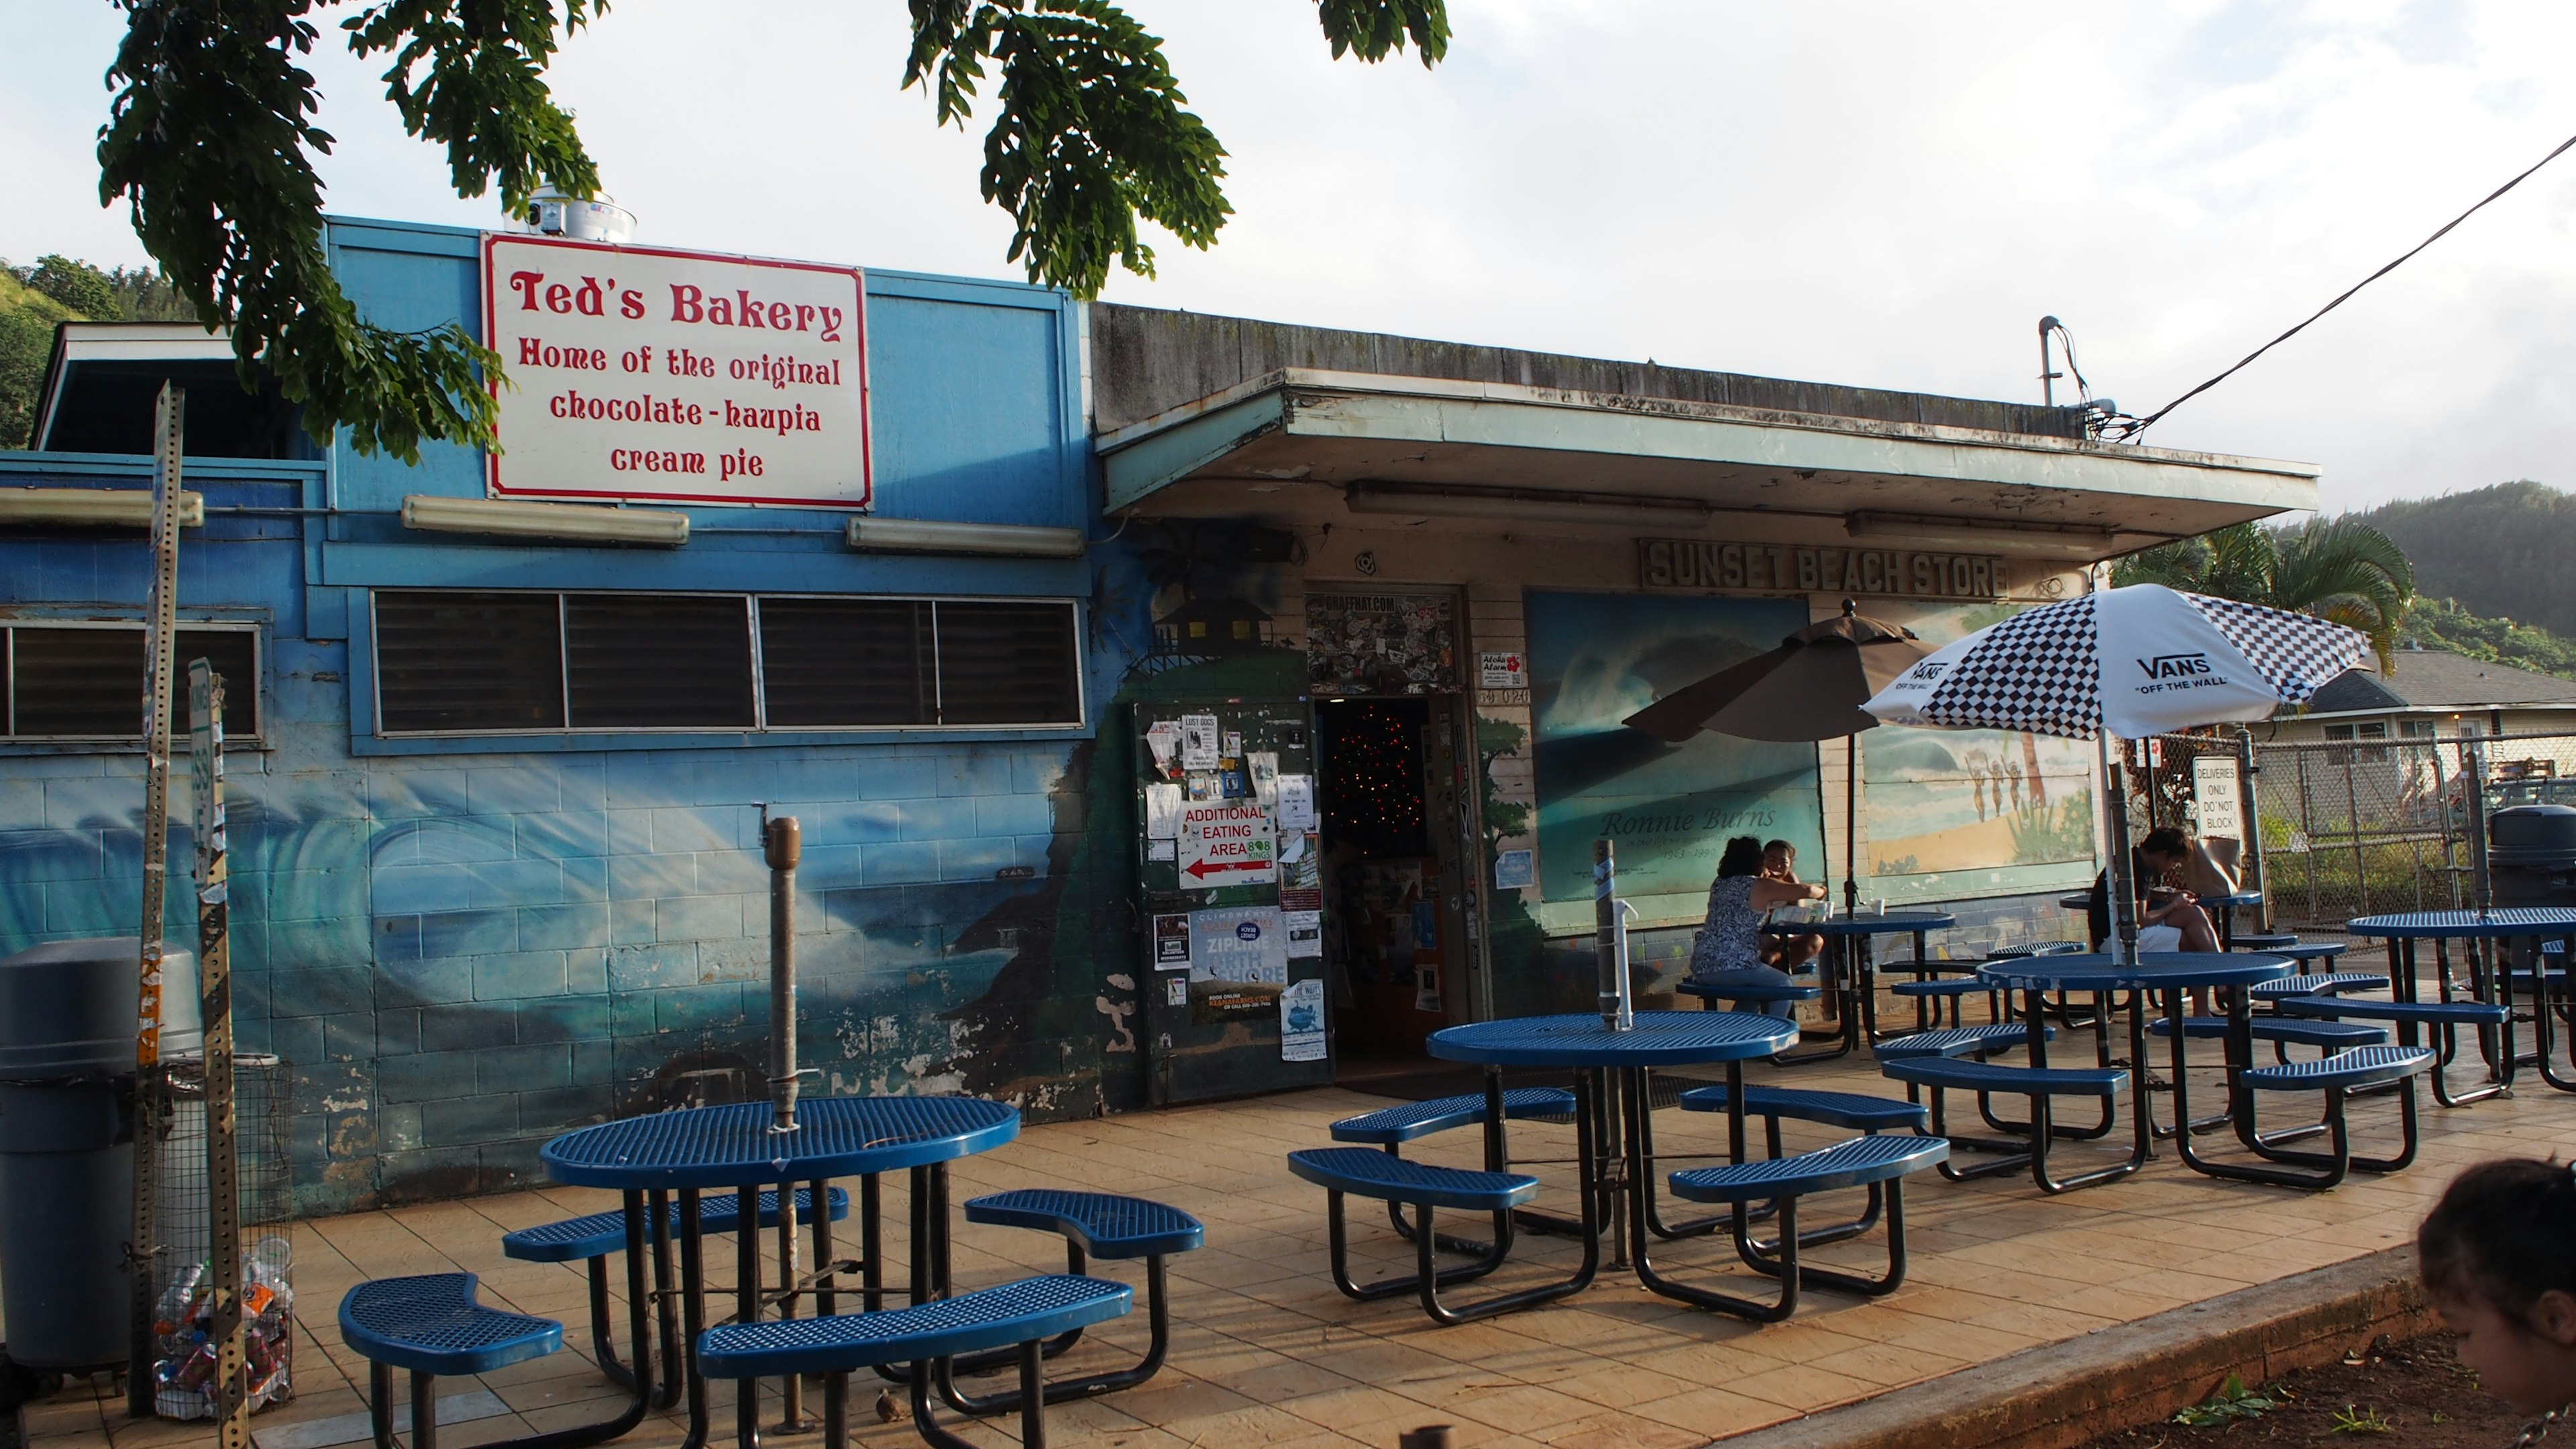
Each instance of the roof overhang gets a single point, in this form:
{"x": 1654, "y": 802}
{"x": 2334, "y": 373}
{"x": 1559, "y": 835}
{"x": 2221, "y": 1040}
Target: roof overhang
{"x": 1301, "y": 446}
{"x": 125, "y": 344}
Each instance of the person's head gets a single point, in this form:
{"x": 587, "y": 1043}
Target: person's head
{"x": 2498, "y": 1257}
{"x": 2164, "y": 847}
{"x": 1743, "y": 857}
{"x": 1779, "y": 856}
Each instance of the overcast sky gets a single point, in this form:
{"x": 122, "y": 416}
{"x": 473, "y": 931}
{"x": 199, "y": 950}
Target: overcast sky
{"x": 1879, "y": 194}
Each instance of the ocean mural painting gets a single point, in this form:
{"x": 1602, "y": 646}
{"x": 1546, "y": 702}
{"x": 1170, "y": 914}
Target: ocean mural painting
{"x": 1594, "y": 660}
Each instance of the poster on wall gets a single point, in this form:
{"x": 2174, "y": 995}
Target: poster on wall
{"x": 1955, "y": 814}
{"x": 1595, "y": 659}
{"x": 1381, "y": 643}
{"x": 1238, "y": 962}
{"x": 676, "y": 377}
{"x": 1301, "y": 1021}
{"x": 1227, "y": 842}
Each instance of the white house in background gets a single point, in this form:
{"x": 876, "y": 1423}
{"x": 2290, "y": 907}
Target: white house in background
{"x": 2432, "y": 692}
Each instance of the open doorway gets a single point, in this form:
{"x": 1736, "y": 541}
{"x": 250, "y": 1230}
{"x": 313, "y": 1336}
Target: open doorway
{"x": 1393, "y": 948}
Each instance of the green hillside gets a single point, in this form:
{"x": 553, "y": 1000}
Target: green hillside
{"x": 59, "y": 289}
{"x": 2501, "y": 552}
{"x": 2443, "y": 624}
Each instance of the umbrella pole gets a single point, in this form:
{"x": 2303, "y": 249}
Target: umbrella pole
{"x": 2123, "y": 880}
{"x": 1851, "y": 825}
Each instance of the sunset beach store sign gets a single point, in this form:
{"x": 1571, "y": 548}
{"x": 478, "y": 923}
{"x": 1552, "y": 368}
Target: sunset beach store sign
{"x": 642, "y": 374}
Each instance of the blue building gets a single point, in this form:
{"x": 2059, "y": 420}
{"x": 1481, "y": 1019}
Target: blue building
{"x": 1241, "y": 711}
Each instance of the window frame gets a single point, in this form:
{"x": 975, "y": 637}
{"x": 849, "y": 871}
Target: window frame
{"x": 761, "y": 727}
{"x": 259, "y": 663}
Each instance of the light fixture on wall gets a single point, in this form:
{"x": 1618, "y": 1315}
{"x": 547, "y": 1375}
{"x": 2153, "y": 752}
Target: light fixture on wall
{"x": 1979, "y": 532}
{"x": 988, "y": 540}
{"x": 92, "y": 507}
{"x": 568, "y": 522}
{"x": 1528, "y": 505}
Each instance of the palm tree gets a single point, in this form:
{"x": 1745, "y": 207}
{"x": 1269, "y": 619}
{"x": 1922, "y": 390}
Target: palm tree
{"x": 2334, "y": 568}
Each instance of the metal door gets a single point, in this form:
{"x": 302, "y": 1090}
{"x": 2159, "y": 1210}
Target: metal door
{"x": 1229, "y": 870}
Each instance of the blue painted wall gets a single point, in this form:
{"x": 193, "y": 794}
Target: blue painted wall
{"x": 467, "y": 946}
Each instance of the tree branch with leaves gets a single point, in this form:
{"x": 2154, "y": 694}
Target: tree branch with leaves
{"x": 211, "y": 141}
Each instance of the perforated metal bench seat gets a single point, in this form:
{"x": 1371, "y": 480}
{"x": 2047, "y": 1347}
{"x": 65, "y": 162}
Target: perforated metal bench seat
{"x": 2452, "y": 1013}
{"x": 2333, "y": 1035}
{"x": 2262, "y": 940}
{"x": 1942, "y": 986}
{"x": 596, "y": 1235}
{"x": 1359, "y": 1171}
{"x": 1105, "y": 1224}
{"x": 1753, "y": 992}
{"x": 431, "y": 1325}
{"x": 2038, "y": 948}
{"x": 1856, "y": 1163}
{"x": 1854, "y": 1110}
{"x": 1410, "y": 1120}
{"x": 2367, "y": 1066}
{"x": 2319, "y": 983}
{"x": 1013, "y": 1313}
{"x": 1958, "y": 1041}
{"x": 1970, "y": 1076}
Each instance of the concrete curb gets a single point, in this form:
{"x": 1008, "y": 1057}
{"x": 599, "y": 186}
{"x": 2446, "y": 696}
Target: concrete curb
{"x": 2063, "y": 1394}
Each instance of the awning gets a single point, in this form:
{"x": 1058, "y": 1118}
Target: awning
{"x": 1301, "y": 446}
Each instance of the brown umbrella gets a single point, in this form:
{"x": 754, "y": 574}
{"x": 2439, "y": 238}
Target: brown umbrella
{"x": 1810, "y": 688}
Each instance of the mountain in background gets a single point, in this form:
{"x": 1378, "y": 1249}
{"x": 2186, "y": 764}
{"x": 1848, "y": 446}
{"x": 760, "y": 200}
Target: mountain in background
{"x": 2501, "y": 552}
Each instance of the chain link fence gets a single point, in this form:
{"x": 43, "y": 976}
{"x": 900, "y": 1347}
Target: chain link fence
{"x": 2360, "y": 827}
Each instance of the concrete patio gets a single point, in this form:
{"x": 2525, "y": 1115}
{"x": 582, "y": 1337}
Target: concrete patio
{"x": 1266, "y": 1352}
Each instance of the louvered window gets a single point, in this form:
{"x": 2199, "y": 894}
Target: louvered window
{"x": 85, "y": 681}
{"x": 486, "y": 663}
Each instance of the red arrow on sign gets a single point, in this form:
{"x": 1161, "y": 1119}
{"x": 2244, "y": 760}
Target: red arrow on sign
{"x": 1203, "y": 870}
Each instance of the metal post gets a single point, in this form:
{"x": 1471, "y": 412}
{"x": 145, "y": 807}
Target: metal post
{"x": 2123, "y": 882}
{"x": 1605, "y": 931}
{"x": 160, "y": 642}
{"x": 1627, "y": 1017}
{"x": 2473, "y": 762}
{"x": 782, "y": 842}
{"x": 2249, "y": 806}
{"x": 2352, "y": 826}
{"x": 214, "y": 966}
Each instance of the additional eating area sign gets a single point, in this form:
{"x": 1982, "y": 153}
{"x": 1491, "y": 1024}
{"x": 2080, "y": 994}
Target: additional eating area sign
{"x": 676, "y": 377}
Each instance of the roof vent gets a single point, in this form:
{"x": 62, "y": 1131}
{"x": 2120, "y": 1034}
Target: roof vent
{"x": 600, "y": 219}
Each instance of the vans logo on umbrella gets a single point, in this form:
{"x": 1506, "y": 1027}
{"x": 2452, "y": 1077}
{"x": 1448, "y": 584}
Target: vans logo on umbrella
{"x": 1929, "y": 670}
{"x": 2175, "y": 666}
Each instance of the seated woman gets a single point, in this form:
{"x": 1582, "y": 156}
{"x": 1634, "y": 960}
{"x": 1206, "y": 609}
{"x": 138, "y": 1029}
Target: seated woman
{"x": 1728, "y": 952}
{"x": 2174, "y": 924}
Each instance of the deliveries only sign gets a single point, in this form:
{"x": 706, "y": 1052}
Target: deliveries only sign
{"x": 1227, "y": 842}
{"x": 676, "y": 377}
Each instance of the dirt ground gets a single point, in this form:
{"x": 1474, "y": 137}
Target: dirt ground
{"x": 2411, "y": 1395}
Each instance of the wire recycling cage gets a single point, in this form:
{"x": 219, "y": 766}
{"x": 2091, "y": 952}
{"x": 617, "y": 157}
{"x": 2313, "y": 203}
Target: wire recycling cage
{"x": 184, "y": 1371}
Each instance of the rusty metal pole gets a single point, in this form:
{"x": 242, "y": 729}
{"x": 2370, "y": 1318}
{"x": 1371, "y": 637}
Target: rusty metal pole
{"x": 782, "y": 842}
{"x": 214, "y": 964}
{"x": 160, "y": 643}
{"x": 2249, "y": 801}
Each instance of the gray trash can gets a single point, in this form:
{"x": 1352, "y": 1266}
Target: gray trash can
{"x": 67, "y": 1016}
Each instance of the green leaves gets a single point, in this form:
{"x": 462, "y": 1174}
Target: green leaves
{"x": 2231, "y": 1401}
{"x": 1092, "y": 131}
{"x": 210, "y": 137}
{"x": 484, "y": 95}
{"x": 2340, "y": 569}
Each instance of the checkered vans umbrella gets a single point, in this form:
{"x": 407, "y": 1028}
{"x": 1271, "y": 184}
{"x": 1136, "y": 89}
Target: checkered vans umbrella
{"x": 2136, "y": 661}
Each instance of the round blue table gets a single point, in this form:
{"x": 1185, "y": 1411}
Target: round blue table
{"x": 1614, "y": 1116}
{"x": 2154, "y": 974}
{"x": 2487, "y": 936}
{"x": 1851, "y": 967}
{"x": 733, "y": 1147}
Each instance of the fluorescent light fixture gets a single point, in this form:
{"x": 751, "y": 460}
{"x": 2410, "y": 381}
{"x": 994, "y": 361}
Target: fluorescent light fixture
{"x": 575, "y": 522}
{"x": 1979, "y": 532}
{"x": 991, "y": 540}
{"x": 1503, "y": 504}
{"x": 93, "y": 507}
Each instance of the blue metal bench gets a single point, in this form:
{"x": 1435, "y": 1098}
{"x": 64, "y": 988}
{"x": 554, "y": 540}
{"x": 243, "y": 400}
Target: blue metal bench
{"x": 1877, "y": 1163}
{"x": 2282, "y": 1032}
{"x": 432, "y": 1326}
{"x": 2410, "y": 1017}
{"x": 1391, "y": 1126}
{"x": 1959, "y": 1041}
{"x": 2262, "y": 941}
{"x": 2318, "y": 983}
{"x": 1094, "y": 1225}
{"x": 1344, "y": 1171}
{"x": 1928, "y": 994}
{"x": 1022, "y": 1315}
{"x": 1854, "y": 1110}
{"x": 2338, "y": 1076}
{"x": 589, "y": 1239}
{"x": 2030, "y": 1141}
{"x": 1739, "y": 997}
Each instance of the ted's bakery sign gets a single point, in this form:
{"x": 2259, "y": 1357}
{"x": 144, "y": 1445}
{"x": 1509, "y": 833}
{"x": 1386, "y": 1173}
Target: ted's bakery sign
{"x": 676, "y": 377}
{"x": 1699, "y": 566}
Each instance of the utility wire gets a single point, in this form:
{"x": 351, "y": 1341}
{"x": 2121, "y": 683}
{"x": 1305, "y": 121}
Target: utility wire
{"x": 2150, "y": 420}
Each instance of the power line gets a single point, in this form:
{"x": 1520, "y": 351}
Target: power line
{"x": 2131, "y": 434}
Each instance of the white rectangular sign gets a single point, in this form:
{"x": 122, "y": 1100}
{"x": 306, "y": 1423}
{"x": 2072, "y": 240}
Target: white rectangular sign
{"x": 1227, "y": 842}
{"x": 676, "y": 377}
{"x": 2214, "y": 793}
